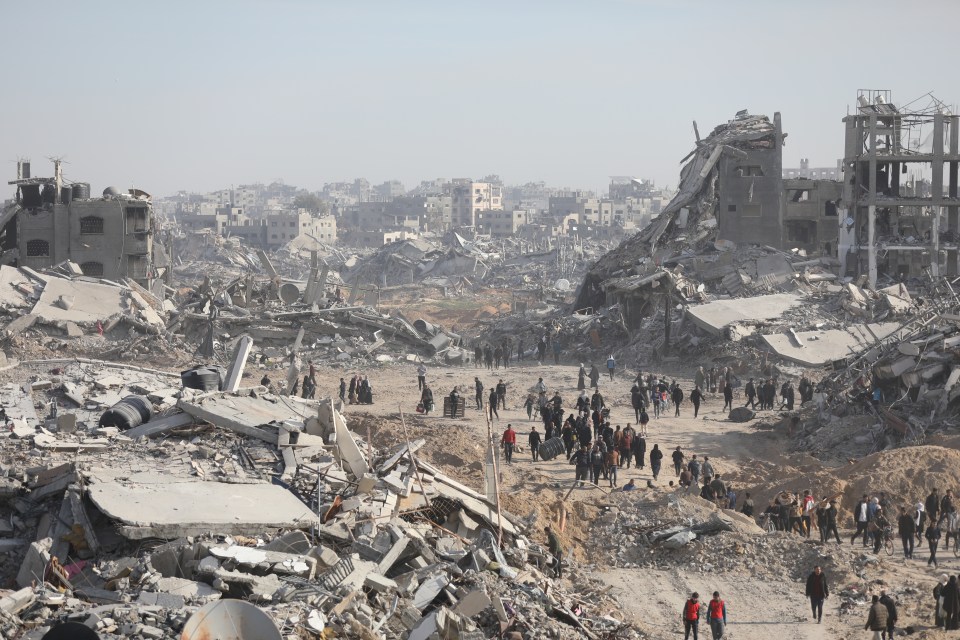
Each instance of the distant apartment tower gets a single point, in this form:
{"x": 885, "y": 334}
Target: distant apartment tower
{"x": 468, "y": 198}
{"x": 110, "y": 236}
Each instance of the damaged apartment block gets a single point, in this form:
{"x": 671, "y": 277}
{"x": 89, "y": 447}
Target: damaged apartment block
{"x": 895, "y": 222}
{"x": 54, "y": 221}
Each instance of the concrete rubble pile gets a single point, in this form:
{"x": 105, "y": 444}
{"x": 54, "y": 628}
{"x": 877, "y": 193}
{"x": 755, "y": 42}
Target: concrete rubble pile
{"x": 681, "y": 530}
{"x": 244, "y": 495}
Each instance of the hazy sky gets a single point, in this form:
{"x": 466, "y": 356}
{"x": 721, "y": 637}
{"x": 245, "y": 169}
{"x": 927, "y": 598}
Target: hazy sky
{"x": 200, "y": 95}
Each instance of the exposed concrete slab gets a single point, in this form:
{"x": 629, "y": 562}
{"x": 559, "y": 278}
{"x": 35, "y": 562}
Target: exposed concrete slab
{"x": 242, "y": 414}
{"x": 821, "y": 347}
{"x": 89, "y": 301}
{"x": 179, "y": 509}
{"x": 714, "y": 317}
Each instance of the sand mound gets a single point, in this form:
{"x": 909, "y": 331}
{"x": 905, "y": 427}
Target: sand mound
{"x": 907, "y": 474}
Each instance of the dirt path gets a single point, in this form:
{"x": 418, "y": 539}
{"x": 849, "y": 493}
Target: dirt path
{"x": 758, "y": 608}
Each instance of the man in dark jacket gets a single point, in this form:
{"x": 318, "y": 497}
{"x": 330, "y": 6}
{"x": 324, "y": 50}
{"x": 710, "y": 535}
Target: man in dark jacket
{"x": 696, "y": 397}
{"x": 534, "y": 440}
{"x": 677, "y": 460}
{"x": 581, "y": 459}
{"x": 817, "y": 591}
{"x": 877, "y": 620}
{"x": 751, "y": 392}
{"x": 891, "y": 606}
{"x": 907, "y": 528}
{"x": 677, "y": 397}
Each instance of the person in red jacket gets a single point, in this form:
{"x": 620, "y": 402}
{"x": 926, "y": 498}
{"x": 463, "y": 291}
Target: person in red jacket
{"x": 509, "y": 440}
{"x": 691, "y": 616}
{"x": 717, "y": 615}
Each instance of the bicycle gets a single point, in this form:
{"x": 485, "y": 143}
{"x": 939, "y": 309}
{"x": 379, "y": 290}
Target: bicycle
{"x": 888, "y": 540}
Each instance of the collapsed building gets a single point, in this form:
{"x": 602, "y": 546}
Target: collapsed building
{"x": 893, "y": 224}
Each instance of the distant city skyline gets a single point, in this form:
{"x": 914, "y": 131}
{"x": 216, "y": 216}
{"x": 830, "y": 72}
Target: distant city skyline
{"x": 201, "y": 96}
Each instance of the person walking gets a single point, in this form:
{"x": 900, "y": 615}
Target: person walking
{"x": 611, "y": 366}
{"x": 594, "y": 376}
{"x": 677, "y": 396}
{"x": 861, "y": 516}
{"x": 492, "y": 404}
{"x": 581, "y": 378}
{"x": 907, "y": 528}
{"x": 581, "y": 458}
{"x": 677, "y": 459}
{"x": 529, "y": 404}
{"x": 951, "y": 603}
{"x": 830, "y": 520}
{"x": 656, "y": 459}
{"x": 502, "y": 394}
{"x": 343, "y": 390}
{"x": 613, "y": 463}
{"x": 706, "y": 470}
{"x": 939, "y": 617}
{"x": 751, "y": 392}
{"x": 426, "y": 399}
{"x": 639, "y": 448}
{"x": 479, "y": 387}
{"x": 877, "y": 619}
{"x": 421, "y": 377}
{"x": 696, "y": 397}
{"x": 534, "y": 441}
{"x": 556, "y": 550}
{"x": 520, "y": 350}
{"x": 933, "y": 539}
{"x": 727, "y": 396}
{"x": 694, "y": 468}
{"x": 691, "y": 616}
{"x": 509, "y": 441}
{"x": 817, "y": 591}
{"x": 891, "y": 606}
{"x": 717, "y": 610}
{"x": 556, "y": 351}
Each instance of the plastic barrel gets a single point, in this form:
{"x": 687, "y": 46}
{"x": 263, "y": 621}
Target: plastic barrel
{"x": 552, "y": 448}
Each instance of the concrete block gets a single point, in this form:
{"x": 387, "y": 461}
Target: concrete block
{"x": 472, "y": 604}
{"x": 379, "y": 583}
{"x": 34, "y": 563}
{"x": 165, "y": 600}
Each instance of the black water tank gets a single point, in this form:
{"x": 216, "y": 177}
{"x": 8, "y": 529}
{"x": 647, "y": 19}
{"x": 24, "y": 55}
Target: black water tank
{"x": 71, "y": 631}
{"x": 49, "y": 194}
{"x": 81, "y": 191}
{"x": 209, "y": 378}
{"x": 66, "y": 195}
{"x": 551, "y": 449}
{"x": 130, "y": 412}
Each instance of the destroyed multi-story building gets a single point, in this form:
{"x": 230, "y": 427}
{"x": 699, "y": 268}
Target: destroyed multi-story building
{"x": 470, "y": 197}
{"x": 54, "y": 220}
{"x": 889, "y": 224}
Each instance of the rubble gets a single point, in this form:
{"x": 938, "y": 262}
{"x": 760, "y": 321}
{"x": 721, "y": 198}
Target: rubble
{"x": 339, "y": 537}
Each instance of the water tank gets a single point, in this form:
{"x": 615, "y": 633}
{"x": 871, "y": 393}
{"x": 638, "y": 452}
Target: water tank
{"x": 66, "y": 195}
{"x": 49, "y": 194}
{"x": 289, "y": 292}
{"x": 130, "y": 412}
{"x": 230, "y": 620}
{"x": 203, "y": 378}
{"x": 112, "y": 191}
{"x": 81, "y": 191}
{"x": 71, "y": 631}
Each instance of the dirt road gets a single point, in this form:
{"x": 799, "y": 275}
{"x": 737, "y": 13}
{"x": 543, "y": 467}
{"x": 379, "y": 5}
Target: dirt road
{"x": 758, "y": 608}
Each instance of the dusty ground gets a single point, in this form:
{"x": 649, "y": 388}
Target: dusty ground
{"x": 749, "y": 453}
